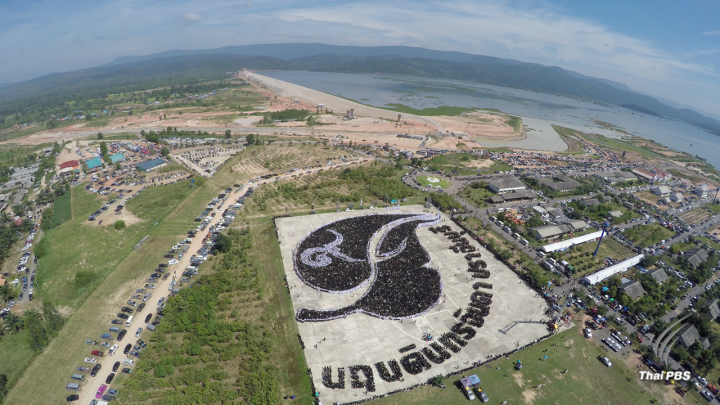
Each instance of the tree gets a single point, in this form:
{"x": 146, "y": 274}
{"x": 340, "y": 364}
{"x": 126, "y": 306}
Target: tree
{"x": 223, "y": 243}
{"x": 165, "y": 151}
{"x": 100, "y": 135}
{"x": 38, "y": 337}
{"x": 118, "y": 166}
{"x": 250, "y": 139}
{"x": 53, "y": 319}
{"x": 103, "y": 149}
{"x": 119, "y": 225}
{"x": 228, "y": 133}
{"x": 51, "y": 123}
{"x": 13, "y": 323}
{"x": 7, "y": 293}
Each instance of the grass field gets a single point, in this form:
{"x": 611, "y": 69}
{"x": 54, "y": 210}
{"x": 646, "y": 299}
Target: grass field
{"x": 424, "y": 181}
{"x": 577, "y": 256}
{"x": 476, "y": 196}
{"x": 462, "y": 163}
{"x": 695, "y": 216}
{"x": 618, "y": 144}
{"x": 62, "y": 209}
{"x": 80, "y": 256}
{"x": 90, "y": 319}
{"x": 646, "y": 235}
{"x": 588, "y": 381}
{"x": 442, "y": 110}
{"x": 15, "y": 355}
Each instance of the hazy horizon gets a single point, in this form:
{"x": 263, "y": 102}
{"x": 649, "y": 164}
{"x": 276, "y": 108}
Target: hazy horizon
{"x": 670, "y": 50}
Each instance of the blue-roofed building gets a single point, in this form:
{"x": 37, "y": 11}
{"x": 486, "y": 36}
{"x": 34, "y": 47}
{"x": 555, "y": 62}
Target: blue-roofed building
{"x": 118, "y": 157}
{"x": 151, "y": 165}
{"x": 93, "y": 163}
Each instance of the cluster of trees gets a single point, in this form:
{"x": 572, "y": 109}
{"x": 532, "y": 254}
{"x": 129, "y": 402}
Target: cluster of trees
{"x": 41, "y": 326}
{"x": 599, "y": 212}
{"x": 588, "y": 185}
{"x": 285, "y": 115}
{"x": 191, "y": 365}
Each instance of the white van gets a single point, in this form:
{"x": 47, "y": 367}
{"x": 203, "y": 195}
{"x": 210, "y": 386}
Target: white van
{"x": 506, "y": 229}
{"x": 524, "y": 242}
{"x": 78, "y": 377}
{"x": 129, "y": 320}
{"x": 516, "y": 235}
{"x": 541, "y": 253}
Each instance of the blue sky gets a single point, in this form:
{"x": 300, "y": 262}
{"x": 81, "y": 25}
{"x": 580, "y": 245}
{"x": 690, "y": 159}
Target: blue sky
{"x": 669, "y": 49}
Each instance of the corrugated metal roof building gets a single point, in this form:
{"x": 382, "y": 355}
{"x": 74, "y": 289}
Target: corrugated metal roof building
{"x": 93, "y": 163}
{"x": 151, "y": 165}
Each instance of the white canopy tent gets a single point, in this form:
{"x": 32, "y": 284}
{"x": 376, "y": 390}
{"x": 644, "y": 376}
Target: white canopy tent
{"x": 612, "y": 270}
{"x": 570, "y": 242}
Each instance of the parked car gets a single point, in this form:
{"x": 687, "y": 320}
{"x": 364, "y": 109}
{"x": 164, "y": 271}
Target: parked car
{"x": 138, "y": 332}
{"x": 116, "y": 366}
{"x": 121, "y": 335}
{"x": 95, "y": 370}
{"x": 100, "y": 391}
{"x": 126, "y": 370}
{"x": 73, "y": 397}
{"x": 605, "y": 361}
{"x": 90, "y": 360}
{"x": 97, "y": 353}
{"x": 109, "y": 378}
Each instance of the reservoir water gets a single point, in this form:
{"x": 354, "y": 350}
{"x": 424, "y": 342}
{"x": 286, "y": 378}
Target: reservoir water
{"x": 538, "y": 110}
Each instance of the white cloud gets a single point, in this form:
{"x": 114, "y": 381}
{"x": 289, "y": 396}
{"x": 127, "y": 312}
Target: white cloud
{"x": 713, "y": 33}
{"x": 191, "y": 18}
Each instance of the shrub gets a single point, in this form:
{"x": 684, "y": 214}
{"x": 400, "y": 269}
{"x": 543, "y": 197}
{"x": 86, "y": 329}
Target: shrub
{"x": 120, "y": 225}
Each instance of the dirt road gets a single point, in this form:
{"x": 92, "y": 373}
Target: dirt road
{"x": 334, "y": 103}
{"x": 92, "y": 384}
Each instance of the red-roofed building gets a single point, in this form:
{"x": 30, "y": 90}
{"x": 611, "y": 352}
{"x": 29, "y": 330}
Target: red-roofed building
{"x": 71, "y": 166}
{"x": 653, "y": 175}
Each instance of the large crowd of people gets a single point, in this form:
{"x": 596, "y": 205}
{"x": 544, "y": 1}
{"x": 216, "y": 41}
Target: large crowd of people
{"x": 403, "y": 287}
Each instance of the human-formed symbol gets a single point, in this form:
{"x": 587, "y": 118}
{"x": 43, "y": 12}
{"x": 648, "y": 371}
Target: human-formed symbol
{"x": 337, "y": 258}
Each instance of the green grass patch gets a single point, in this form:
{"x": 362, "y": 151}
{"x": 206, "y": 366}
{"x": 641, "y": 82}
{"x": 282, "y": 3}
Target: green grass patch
{"x": 714, "y": 207}
{"x": 586, "y": 382}
{"x": 425, "y": 181}
{"x": 80, "y": 255}
{"x": 646, "y": 235}
{"x": 477, "y": 196}
{"x": 428, "y": 112}
{"x": 15, "y": 355}
{"x": 459, "y": 163}
{"x": 621, "y": 145}
{"x": 98, "y": 122}
{"x": 62, "y": 211}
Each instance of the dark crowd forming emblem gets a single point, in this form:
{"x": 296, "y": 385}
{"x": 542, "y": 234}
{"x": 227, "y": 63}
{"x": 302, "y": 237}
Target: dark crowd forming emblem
{"x": 337, "y": 258}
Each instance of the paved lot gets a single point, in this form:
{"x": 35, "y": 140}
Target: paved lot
{"x": 516, "y": 314}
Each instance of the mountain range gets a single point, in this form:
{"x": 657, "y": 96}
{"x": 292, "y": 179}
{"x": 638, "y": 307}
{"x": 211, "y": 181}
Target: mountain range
{"x": 133, "y": 72}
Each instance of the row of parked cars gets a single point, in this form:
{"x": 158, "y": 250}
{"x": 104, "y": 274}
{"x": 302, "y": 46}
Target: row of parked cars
{"x": 27, "y": 279}
{"x": 116, "y": 333}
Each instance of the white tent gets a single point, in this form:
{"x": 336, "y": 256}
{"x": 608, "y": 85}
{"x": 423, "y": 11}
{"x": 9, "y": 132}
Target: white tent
{"x": 612, "y": 270}
{"x": 570, "y": 242}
